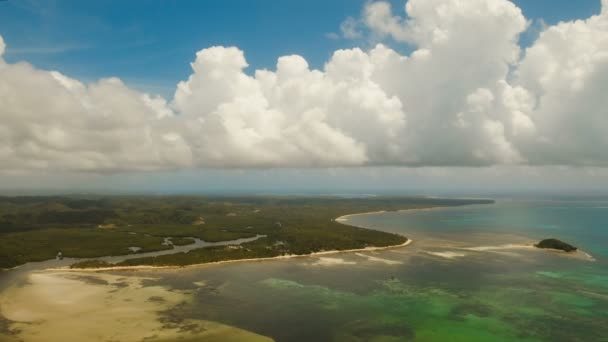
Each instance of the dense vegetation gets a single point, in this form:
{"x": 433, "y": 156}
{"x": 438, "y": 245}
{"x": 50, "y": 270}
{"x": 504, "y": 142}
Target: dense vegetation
{"x": 37, "y": 228}
{"x": 37, "y": 245}
{"x": 91, "y": 264}
{"x": 556, "y": 244}
{"x": 182, "y": 241}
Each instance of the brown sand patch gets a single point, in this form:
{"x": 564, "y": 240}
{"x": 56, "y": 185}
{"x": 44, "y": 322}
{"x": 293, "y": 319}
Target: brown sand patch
{"x": 68, "y": 306}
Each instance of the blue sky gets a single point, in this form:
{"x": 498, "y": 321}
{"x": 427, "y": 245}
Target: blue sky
{"x": 149, "y": 44}
{"x": 408, "y": 128}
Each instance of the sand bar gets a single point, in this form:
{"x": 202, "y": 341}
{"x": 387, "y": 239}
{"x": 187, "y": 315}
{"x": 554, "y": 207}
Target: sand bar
{"x": 69, "y": 306}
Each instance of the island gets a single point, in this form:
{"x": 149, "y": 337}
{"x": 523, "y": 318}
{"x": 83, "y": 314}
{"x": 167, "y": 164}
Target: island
{"x": 90, "y": 227}
{"x": 555, "y": 244}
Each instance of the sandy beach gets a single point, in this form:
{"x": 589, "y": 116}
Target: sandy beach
{"x": 281, "y": 257}
{"x": 344, "y": 218}
{"x": 340, "y": 219}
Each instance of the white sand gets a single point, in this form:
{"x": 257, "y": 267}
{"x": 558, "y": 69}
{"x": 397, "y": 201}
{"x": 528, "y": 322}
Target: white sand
{"x": 288, "y": 256}
{"x": 579, "y": 254}
{"x": 377, "y": 259}
{"x": 62, "y": 306}
{"x": 447, "y": 254}
{"x": 500, "y": 247}
{"x": 339, "y": 219}
{"x": 346, "y": 217}
{"x": 326, "y": 261}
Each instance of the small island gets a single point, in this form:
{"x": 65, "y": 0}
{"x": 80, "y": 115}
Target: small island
{"x": 555, "y": 244}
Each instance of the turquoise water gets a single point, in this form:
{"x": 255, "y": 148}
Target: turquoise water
{"x": 582, "y": 223}
{"x": 469, "y": 275}
{"x": 501, "y": 294}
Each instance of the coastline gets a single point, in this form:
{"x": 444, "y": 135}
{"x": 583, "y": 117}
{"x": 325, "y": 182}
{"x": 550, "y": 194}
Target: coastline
{"x": 340, "y": 220}
{"x": 280, "y": 257}
{"x": 344, "y": 218}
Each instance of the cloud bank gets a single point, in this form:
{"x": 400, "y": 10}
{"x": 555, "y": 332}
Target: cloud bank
{"x": 466, "y": 96}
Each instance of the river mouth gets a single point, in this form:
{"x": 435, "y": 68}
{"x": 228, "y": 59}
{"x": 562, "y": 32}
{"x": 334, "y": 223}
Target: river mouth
{"x": 65, "y": 262}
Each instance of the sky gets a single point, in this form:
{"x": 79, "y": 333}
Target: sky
{"x": 89, "y": 40}
{"x": 416, "y": 97}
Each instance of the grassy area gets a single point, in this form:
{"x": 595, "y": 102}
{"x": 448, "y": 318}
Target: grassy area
{"x": 37, "y": 228}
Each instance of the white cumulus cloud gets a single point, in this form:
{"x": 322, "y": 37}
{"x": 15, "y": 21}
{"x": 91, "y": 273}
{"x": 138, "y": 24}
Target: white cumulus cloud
{"x": 467, "y": 95}
{"x": 566, "y": 74}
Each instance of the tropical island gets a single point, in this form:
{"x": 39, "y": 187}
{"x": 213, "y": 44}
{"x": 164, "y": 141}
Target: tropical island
{"x": 88, "y": 227}
{"x": 555, "y": 244}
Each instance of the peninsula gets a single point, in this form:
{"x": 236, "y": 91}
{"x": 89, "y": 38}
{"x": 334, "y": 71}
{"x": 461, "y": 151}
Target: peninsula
{"x": 86, "y": 227}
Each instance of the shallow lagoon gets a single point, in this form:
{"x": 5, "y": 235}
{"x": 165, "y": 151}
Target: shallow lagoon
{"x": 468, "y": 276}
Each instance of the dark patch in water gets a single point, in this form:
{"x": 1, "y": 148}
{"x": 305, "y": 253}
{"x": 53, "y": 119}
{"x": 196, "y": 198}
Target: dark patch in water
{"x": 120, "y": 285}
{"x": 194, "y": 328}
{"x": 553, "y": 327}
{"x": 5, "y": 327}
{"x": 23, "y": 282}
{"x": 366, "y": 330}
{"x": 89, "y": 279}
{"x": 149, "y": 282}
{"x": 156, "y": 299}
{"x": 174, "y": 319}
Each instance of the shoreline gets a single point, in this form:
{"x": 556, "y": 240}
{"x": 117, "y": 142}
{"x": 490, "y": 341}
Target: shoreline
{"x": 344, "y": 218}
{"x": 338, "y": 220}
{"x": 280, "y": 257}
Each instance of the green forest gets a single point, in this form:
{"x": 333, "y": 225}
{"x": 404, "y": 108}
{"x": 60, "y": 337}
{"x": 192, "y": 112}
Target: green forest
{"x": 38, "y": 228}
